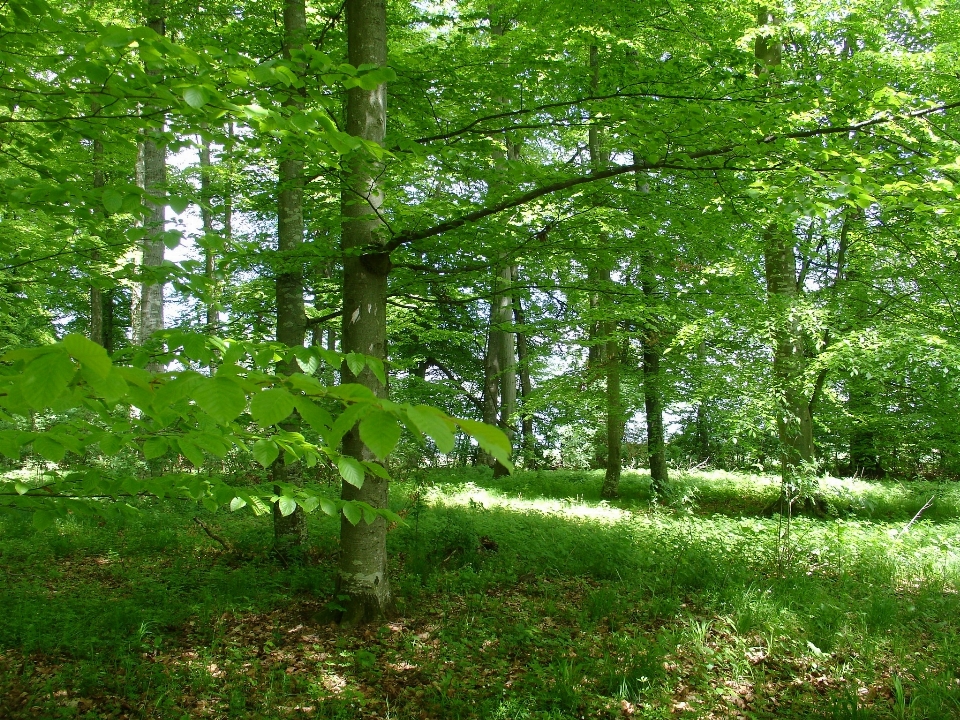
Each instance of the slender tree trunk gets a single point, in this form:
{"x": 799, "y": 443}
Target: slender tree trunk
{"x": 609, "y": 349}
{"x": 291, "y": 530}
{"x": 703, "y": 433}
{"x": 500, "y": 362}
{"x": 97, "y": 297}
{"x": 529, "y": 441}
{"x": 652, "y": 390}
{"x": 615, "y": 416}
{"x": 794, "y": 424}
{"x": 506, "y": 347}
{"x": 209, "y": 254}
{"x": 147, "y": 306}
{"x": 363, "y": 553}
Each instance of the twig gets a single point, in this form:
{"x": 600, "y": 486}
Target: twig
{"x": 213, "y": 536}
{"x": 916, "y": 517}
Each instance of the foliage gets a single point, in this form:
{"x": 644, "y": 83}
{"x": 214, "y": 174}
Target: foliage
{"x": 561, "y": 617}
{"x": 87, "y": 402}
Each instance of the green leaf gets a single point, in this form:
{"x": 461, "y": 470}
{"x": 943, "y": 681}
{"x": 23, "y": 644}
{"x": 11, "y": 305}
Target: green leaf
{"x": 356, "y": 363}
{"x": 88, "y": 353}
{"x": 351, "y": 471}
{"x": 10, "y": 443}
{"x": 309, "y": 504}
{"x": 112, "y": 201}
{"x": 110, "y": 444}
{"x": 21, "y": 488}
{"x": 209, "y": 503}
{"x": 432, "y": 423}
{"x": 195, "y": 348}
{"x": 46, "y": 378}
{"x": 490, "y": 438}
{"x": 318, "y": 418}
{"x": 111, "y": 388}
{"x": 329, "y": 507}
{"x": 190, "y": 451}
{"x": 237, "y": 503}
{"x": 175, "y": 390}
{"x": 287, "y": 505}
{"x": 178, "y": 204}
{"x": 271, "y": 406}
{"x": 195, "y": 97}
{"x": 42, "y": 519}
{"x": 307, "y": 360}
{"x": 265, "y": 451}
{"x": 155, "y": 447}
{"x": 376, "y": 367}
{"x": 211, "y": 443}
{"x": 380, "y": 432}
{"x": 221, "y": 399}
{"x": 377, "y": 469}
{"x": 351, "y": 512}
{"x": 48, "y": 448}
{"x": 345, "y": 421}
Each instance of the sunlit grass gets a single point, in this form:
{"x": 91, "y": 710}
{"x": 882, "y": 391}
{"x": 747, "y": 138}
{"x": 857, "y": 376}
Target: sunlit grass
{"x": 522, "y": 597}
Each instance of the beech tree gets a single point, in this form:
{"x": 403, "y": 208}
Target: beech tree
{"x": 665, "y": 178}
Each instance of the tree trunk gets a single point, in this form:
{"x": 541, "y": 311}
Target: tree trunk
{"x": 97, "y": 297}
{"x": 147, "y": 306}
{"x": 206, "y": 215}
{"x": 794, "y": 424}
{"x": 363, "y": 547}
{"x": 290, "y": 531}
{"x": 508, "y": 361}
{"x": 607, "y": 351}
{"x": 615, "y": 419}
{"x": 529, "y": 441}
{"x": 652, "y": 390}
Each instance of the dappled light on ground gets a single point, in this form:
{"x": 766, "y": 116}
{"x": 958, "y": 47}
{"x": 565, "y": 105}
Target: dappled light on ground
{"x": 524, "y": 598}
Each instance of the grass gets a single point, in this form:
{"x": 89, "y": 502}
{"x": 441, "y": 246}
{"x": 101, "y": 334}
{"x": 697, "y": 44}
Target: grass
{"x": 521, "y": 598}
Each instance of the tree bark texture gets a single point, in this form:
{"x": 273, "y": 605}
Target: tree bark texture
{"x": 794, "y": 424}
{"x": 652, "y": 389}
{"x": 362, "y": 573}
{"x": 97, "y": 296}
{"x": 529, "y": 440}
{"x": 147, "y": 301}
{"x": 290, "y": 531}
{"x": 608, "y": 356}
{"x": 209, "y": 255}
{"x": 506, "y": 347}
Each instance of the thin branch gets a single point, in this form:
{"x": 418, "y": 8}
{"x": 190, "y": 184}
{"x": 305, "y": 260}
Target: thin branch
{"x": 405, "y": 238}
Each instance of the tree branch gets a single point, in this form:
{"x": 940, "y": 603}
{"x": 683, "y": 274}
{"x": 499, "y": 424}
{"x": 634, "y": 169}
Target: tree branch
{"x": 408, "y": 237}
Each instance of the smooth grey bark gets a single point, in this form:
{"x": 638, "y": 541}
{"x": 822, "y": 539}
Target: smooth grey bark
{"x": 500, "y": 360}
{"x": 362, "y": 575}
{"x": 97, "y": 296}
{"x": 290, "y": 531}
{"x": 147, "y": 301}
{"x": 794, "y": 423}
{"x": 209, "y": 255}
{"x": 529, "y": 441}
{"x": 506, "y": 348}
{"x": 604, "y": 347}
{"x": 652, "y": 389}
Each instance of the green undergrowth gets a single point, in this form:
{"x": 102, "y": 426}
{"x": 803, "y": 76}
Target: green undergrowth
{"x": 524, "y": 597}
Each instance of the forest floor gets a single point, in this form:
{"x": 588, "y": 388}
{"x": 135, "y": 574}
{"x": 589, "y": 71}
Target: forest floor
{"x": 521, "y": 598}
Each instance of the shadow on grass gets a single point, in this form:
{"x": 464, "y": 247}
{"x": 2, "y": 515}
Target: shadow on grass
{"x": 582, "y": 605}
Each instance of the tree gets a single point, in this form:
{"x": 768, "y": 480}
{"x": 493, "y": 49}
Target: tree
{"x": 363, "y": 573}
